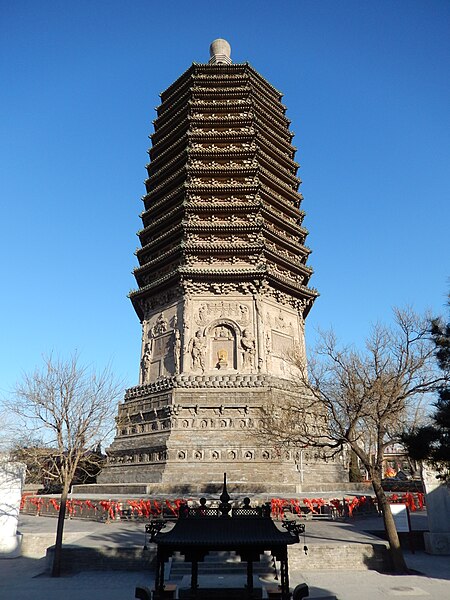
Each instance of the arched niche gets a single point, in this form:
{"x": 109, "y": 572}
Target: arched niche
{"x": 222, "y": 337}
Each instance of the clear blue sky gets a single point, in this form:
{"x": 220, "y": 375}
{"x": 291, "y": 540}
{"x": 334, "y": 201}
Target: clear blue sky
{"x": 367, "y": 85}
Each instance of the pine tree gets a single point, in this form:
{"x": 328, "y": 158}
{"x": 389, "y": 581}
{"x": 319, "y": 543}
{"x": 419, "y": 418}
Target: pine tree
{"x": 432, "y": 442}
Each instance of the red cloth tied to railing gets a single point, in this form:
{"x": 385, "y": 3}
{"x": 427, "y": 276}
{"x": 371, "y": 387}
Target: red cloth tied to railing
{"x": 310, "y": 504}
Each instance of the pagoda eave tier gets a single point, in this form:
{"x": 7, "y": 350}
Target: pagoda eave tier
{"x": 222, "y": 204}
{"x": 217, "y": 277}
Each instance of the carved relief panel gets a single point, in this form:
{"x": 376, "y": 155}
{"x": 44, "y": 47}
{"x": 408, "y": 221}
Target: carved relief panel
{"x": 283, "y": 336}
{"x": 221, "y": 336}
{"x": 161, "y": 345}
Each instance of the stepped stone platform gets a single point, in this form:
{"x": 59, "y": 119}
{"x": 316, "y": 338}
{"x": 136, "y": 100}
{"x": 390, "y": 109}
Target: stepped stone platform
{"x": 119, "y": 546}
{"x": 247, "y": 489}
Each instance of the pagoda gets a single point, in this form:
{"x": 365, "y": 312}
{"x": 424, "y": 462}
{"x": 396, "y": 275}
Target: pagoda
{"x": 222, "y": 290}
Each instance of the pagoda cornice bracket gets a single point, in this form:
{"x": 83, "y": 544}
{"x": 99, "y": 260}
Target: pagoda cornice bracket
{"x": 149, "y": 198}
{"x": 280, "y": 235}
{"x": 155, "y": 169}
{"x": 271, "y": 162}
{"x": 289, "y": 260}
{"x": 291, "y": 286}
{"x": 204, "y": 272}
{"x": 293, "y": 203}
{"x": 156, "y": 283}
{"x": 166, "y": 183}
{"x": 205, "y": 171}
{"x": 289, "y": 187}
{"x": 251, "y": 187}
{"x": 165, "y": 218}
{"x": 176, "y": 151}
{"x": 215, "y": 247}
{"x": 234, "y": 380}
{"x": 230, "y": 133}
{"x": 161, "y": 258}
{"x": 161, "y": 124}
{"x": 162, "y": 237}
{"x": 222, "y": 228}
{"x": 222, "y": 206}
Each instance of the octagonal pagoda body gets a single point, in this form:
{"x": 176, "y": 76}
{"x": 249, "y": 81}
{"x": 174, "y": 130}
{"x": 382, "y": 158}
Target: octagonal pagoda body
{"x": 222, "y": 291}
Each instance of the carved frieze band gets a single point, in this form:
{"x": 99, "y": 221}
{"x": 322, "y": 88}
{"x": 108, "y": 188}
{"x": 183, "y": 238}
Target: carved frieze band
{"x": 155, "y": 455}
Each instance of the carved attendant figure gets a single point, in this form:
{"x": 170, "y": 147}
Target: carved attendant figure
{"x": 177, "y": 351}
{"x": 145, "y": 364}
{"x": 248, "y": 346}
{"x": 197, "y": 347}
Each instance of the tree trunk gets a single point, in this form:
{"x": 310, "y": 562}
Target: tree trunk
{"x": 354, "y": 472}
{"x": 398, "y": 561}
{"x": 56, "y": 569}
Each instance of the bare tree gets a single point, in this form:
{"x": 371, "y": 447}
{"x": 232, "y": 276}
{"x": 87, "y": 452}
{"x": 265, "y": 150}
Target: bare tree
{"x": 361, "y": 400}
{"x": 72, "y": 408}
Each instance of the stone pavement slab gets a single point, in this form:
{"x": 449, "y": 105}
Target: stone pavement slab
{"x": 371, "y": 585}
{"x": 20, "y": 578}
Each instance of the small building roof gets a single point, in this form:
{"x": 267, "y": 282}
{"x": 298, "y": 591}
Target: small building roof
{"x": 225, "y": 533}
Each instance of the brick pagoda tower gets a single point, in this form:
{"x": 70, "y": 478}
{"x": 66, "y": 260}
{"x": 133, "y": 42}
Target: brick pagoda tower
{"x": 222, "y": 290}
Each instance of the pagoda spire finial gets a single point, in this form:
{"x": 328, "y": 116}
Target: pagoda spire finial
{"x": 220, "y": 52}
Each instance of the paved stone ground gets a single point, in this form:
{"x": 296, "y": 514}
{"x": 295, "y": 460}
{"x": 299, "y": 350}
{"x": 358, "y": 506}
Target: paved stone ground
{"x": 22, "y": 579}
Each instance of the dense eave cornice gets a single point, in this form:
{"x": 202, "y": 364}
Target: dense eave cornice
{"x": 272, "y": 181}
{"x": 195, "y": 273}
{"x": 293, "y": 288}
{"x": 172, "y": 233}
{"x": 276, "y": 113}
{"x": 281, "y": 142}
{"x": 221, "y": 227}
{"x": 271, "y": 150}
{"x": 223, "y": 187}
{"x": 242, "y": 134}
{"x": 157, "y": 156}
{"x": 156, "y": 190}
{"x": 236, "y": 92}
{"x": 291, "y": 228}
{"x": 269, "y": 197}
{"x": 158, "y": 168}
{"x": 210, "y": 248}
{"x": 203, "y": 169}
{"x": 169, "y": 124}
{"x": 165, "y": 218}
{"x": 164, "y": 110}
{"x": 271, "y": 123}
{"x": 158, "y": 282}
{"x": 236, "y": 70}
{"x": 248, "y": 171}
{"x": 153, "y": 206}
{"x": 249, "y": 166}
{"x": 223, "y": 206}
{"x": 163, "y": 142}
{"x": 222, "y": 272}
{"x": 150, "y": 264}
{"x": 235, "y": 148}
{"x": 289, "y": 262}
{"x": 280, "y": 236}
{"x": 274, "y": 166}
